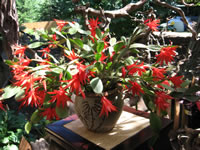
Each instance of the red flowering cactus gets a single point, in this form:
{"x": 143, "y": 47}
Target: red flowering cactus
{"x": 152, "y": 24}
{"x": 94, "y": 63}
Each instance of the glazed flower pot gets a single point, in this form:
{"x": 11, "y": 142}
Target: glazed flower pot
{"x": 88, "y": 111}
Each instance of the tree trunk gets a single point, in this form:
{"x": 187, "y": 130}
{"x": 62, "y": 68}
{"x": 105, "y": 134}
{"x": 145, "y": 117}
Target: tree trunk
{"x": 9, "y": 30}
{"x": 8, "y": 26}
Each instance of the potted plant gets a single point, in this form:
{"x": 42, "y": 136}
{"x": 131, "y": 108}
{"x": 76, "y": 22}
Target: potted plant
{"x": 93, "y": 65}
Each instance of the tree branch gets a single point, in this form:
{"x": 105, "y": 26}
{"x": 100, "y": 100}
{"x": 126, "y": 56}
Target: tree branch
{"x": 111, "y": 13}
{"x": 181, "y": 13}
{"x": 126, "y": 10}
{"x": 186, "y": 4}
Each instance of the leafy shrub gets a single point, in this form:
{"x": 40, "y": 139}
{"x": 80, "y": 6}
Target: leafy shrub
{"x": 12, "y": 128}
{"x": 28, "y": 10}
{"x": 57, "y": 9}
{"x": 43, "y": 10}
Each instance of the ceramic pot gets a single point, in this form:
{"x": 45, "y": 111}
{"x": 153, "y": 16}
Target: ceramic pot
{"x": 88, "y": 111}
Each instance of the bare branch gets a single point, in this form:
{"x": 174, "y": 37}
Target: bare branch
{"x": 181, "y": 13}
{"x": 111, "y": 13}
{"x": 186, "y": 4}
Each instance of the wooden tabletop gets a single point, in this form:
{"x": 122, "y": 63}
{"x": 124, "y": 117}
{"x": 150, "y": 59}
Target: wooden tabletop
{"x": 139, "y": 141}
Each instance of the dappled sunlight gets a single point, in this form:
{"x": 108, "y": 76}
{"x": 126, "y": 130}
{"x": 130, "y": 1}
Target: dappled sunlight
{"x": 127, "y": 126}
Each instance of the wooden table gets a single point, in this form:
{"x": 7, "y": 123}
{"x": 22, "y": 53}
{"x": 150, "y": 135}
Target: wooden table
{"x": 66, "y": 139}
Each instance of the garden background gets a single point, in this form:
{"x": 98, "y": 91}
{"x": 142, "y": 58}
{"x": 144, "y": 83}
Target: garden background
{"x": 12, "y": 125}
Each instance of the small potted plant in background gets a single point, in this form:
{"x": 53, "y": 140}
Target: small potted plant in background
{"x": 96, "y": 68}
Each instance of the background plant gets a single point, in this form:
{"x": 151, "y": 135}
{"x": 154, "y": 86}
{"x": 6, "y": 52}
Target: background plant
{"x": 29, "y": 11}
{"x": 12, "y": 129}
{"x": 93, "y": 62}
{"x": 47, "y": 10}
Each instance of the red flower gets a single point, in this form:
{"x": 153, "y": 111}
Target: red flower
{"x": 44, "y": 62}
{"x": 78, "y": 80}
{"x": 18, "y": 69}
{"x": 1, "y": 91}
{"x": 50, "y": 113}
{"x": 45, "y": 52}
{"x": 39, "y": 91}
{"x": 19, "y": 50}
{"x": 19, "y": 76}
{"x": 107, "y": 106}
{"x": 60, "y": 97}
{"x": 60, "y": 23}
{"x": 103, "y": 57}
{"x": 29, "y": 81}
{"x": 161, "y": 100}
{"x": 33, "y": 97}
{"x": 106, "y": 44}
{"x": 158, "y": 73}
{"x": 176, "y": 80}
{"x": 123, "y": 72}
{"x": 93, "y": 24}
{"x": 198, "y": 105}
{"x": 166, "y": 54}
{"x": 83, "y": 75}
{"x": 164, "y": 82}
{"x": 1, "y": 105}
{"x": 152, "y": 24}
{"x": 60, "y": 76}
{"x": 19, "y": 66}
{"x": 23, "y": 62}
{"x": 136, "y": 88}
{"x": 72, "y": 56}
{"x": 54, "y": 39}
{"x": 44, "y": 85}
{"x": 112, "y": 54}
{"x": 75, "y": 85}
{"x": 136, "y": 68}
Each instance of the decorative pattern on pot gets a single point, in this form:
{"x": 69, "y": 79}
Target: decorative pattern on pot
{"x": 88, "y": 111}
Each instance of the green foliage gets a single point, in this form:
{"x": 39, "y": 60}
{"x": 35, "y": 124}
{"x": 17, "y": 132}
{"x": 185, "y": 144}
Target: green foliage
{"x": 97, "y": 85}
{"x": 47, "y": 10}
{"x": 187, "y": 93}
{"x": 44, "y": 10}
{"x": 59, "y": 9}
{"x": 155, "y": 122}
{"x": 7, "y": 94}
{"x": 62, "y": 112}
{"x": 28, "y": 10}
{"x": 12, "y": 128}
{"x": 28, "y": 127}
{"x": 35, "y": 45}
